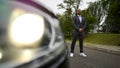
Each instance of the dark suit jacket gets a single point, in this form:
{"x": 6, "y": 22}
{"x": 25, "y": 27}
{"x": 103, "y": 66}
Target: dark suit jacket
{"x": 76, "y": 23}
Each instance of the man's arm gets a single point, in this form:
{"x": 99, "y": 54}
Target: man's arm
{"x": 74, "y": 25}
{"x": 84, "y": 24}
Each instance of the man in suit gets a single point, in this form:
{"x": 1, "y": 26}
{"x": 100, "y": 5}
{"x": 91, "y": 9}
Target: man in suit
{"x": 79, "y": 25}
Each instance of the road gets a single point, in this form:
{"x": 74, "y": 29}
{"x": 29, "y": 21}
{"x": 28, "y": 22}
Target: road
{"x": 94, "y": 59}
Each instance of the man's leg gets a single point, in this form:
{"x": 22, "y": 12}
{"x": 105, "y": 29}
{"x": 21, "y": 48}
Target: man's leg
{"x": 73, "y": 42}
{"x": 81, "y": 36}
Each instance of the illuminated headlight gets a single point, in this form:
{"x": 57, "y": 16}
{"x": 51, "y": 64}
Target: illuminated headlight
{"x": 26, "y": 29}
{"x": 0, "y": 55}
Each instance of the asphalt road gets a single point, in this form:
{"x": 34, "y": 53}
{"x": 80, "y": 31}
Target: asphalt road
{"x": 94, "y": 59}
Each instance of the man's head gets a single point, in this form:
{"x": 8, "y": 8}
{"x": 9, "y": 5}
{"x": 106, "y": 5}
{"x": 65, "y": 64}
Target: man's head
{"x": 78, "y": 11}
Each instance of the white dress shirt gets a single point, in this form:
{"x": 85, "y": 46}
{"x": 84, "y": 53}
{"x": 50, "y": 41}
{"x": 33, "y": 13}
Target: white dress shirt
{"x": 80, "y": 18}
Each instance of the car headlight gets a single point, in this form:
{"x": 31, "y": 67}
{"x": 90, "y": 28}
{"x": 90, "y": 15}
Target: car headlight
{"x": 34, "y": 37}
{"x": 0, "y": 55}
{"x": 25, "y": 28}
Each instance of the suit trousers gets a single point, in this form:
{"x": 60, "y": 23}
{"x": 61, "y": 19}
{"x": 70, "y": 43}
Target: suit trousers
{"x": 76, "y": 35}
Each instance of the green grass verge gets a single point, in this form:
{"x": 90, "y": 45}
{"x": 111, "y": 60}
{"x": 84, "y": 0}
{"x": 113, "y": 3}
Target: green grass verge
{"x": 105, "y": 39}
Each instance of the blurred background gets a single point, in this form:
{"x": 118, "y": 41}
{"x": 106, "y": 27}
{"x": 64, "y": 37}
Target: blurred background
{"x": 102, "y": 17}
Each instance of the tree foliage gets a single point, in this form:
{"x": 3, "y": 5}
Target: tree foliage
{"x": 107, "y": 10}
{"x": 90, "y": 20}
{"x": 113, "y": 17}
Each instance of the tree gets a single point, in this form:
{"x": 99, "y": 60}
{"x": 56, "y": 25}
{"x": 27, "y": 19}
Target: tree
{"x": 113, "y": 18}
{"x": 90, "y": 20}
{"x": 98, "y": 10}
{"x": 66, "y": 25}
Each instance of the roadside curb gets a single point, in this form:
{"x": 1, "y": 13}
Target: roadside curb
{"x": 103, "y": 49}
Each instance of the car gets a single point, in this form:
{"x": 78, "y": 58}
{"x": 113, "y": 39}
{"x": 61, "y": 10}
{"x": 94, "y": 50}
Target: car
{"x": 30, "y": 36}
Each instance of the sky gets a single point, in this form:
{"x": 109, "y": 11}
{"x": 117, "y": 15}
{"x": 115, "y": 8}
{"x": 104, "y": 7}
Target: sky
{"x": 52, "y": 4}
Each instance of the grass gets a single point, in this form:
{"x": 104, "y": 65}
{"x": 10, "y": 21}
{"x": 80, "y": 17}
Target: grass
{"x": 105, "y": 39}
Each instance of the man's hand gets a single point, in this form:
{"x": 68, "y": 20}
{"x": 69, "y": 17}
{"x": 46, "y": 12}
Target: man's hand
{"x": 80, "y": 30}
